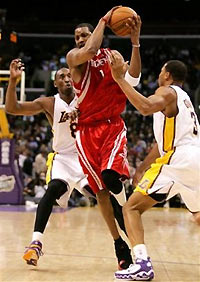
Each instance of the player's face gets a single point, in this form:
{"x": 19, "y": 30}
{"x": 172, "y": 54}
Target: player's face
{"x": 162, "y": 75}
{"x": 64, "y": 81}
{"x": 81, "y": 36}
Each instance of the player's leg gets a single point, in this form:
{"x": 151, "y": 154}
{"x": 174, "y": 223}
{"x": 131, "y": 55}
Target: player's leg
{"x": 113, "y": 183}
{"x": 111, "y": 210}
{"x": 114, "y": 167}
{"x": 56, "y": 188}
{"x": 132, "y": 210}
{"x": 103, "y": 196}
{"x": 191, "y": 198}
{"x": 153, "y": 188}
{"x": 92, "y": 166}
{"x": 122, "y": 250}
{"x": 103, "y": 199}
{"x": 106, "y": 208}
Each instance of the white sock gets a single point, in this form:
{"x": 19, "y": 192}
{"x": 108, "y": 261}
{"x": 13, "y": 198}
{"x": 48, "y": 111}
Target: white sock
{"x": 140, "y": 251}
{"x": 37, "y": 236}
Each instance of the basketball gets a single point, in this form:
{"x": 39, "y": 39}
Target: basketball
{"x": 119, "y": 18}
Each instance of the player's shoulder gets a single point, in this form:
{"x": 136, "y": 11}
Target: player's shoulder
{"x": 167, "y": 93}
{"x": 72, "y": 52}
{"x": 165, "y": 90}
{"x": 45, "y": 101}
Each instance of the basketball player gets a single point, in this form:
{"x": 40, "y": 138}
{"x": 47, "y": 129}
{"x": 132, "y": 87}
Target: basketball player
{"x": 64, "y": 170}
{"x": 101, "y": 135}
{"x": 172, "y": 166}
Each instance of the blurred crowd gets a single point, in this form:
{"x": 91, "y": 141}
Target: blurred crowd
{"x": 33, "y": 134}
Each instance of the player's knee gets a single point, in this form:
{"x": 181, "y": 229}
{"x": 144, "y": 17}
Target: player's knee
{"x": 128, "y": 207}
{"x": 56, "y": 188}
{"x": 103, "y": 196}
{"x": 112, "y": 181}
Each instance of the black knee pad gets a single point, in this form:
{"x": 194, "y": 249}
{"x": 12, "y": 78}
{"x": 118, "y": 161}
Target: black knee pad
{"x": 56, "y": 188}
{"x": 112, "y": 181}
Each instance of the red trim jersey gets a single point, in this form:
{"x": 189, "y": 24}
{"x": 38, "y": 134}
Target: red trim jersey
{"x": 100, "y": 97}
{"x": 101, "y": 135}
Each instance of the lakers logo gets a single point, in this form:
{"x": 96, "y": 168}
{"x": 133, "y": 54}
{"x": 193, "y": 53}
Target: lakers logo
{"x": 144, "y": 184}
{"x": 64, "y": 116}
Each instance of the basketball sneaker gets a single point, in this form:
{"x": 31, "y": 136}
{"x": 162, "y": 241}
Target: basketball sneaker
{"x": 142, "y": 270}
{"x": 123, "y": 254}
{"x": 33, "y": 252}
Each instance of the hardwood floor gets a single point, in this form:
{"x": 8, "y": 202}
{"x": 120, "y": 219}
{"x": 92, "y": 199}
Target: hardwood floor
{"x": 78, "y": 247}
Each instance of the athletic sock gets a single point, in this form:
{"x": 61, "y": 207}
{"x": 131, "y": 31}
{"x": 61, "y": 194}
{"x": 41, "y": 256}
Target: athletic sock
{"x": 37, "y": 236}
{"x": 140, "y": 251}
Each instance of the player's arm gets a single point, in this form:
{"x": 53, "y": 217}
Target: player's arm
{"x": 77, "y": 56}
{"x": 147, "y": 106}
{"x": 133, "y": 73}
{"x": 12, "y": 106}
{"x": 146, "y": 163}
{"x": 163, "y": 96}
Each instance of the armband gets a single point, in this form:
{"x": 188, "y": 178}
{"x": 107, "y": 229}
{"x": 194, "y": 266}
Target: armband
{"x": 132, "y": 80}
{"x": 136, "y": 45}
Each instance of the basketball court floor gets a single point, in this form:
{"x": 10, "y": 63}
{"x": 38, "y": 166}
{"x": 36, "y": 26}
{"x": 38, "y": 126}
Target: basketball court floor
{"x": 78, "y": 247}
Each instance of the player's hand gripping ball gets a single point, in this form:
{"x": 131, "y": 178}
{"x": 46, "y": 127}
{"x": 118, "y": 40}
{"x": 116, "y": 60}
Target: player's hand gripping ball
{"x": 119, "y": 18}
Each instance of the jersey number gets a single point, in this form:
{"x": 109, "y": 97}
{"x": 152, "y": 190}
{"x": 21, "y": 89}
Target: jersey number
{"x": 73, "y": 127}
{"x": 193, "y": 116}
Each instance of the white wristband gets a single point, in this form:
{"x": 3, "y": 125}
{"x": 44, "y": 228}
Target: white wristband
{"x": 136, "y": 45}
{"x": 132, "y": 80}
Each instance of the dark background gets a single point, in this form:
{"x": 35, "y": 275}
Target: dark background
{"x": 63, "y": 10}
{"x": 43, "y": 20}
{"x": 173, "y": 16}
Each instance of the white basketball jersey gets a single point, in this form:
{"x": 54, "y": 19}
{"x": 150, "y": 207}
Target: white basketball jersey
{"x": 181, "y": 130}
{"x": 63, "y": 142}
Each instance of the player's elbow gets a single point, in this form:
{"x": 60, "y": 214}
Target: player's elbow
{"x": 7, "y": 109}
{"x": 145, "y": 110}
{"x": 145, "y": 113}
{"x": 10, "y": 110}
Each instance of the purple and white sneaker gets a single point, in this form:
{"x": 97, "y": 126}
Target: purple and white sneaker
{"x": 142, "y": 270}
